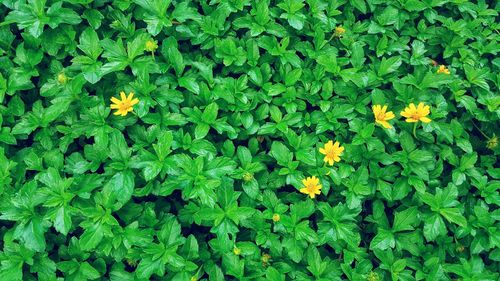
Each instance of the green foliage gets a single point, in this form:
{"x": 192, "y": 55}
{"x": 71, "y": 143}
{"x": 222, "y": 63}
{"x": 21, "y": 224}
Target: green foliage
{"x": 201, "y": 181}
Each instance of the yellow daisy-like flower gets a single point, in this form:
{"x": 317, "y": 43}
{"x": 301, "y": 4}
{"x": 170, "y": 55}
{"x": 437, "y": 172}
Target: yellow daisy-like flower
{"x": 311, "y": 186}
{"x": 125, "y": 105}
{"x": 443, "y": 69}
{"x": 332, "y": 152}
{"x": 151, "y": 46}
{"x": 339, "y": 31}
{"x": 382, "y": 115}
{"x": 416, "y": 113}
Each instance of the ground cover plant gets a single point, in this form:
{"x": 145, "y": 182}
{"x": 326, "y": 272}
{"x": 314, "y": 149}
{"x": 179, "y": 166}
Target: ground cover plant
{"x": 249, "y": 140}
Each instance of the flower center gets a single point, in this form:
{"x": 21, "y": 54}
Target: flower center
{"x": 124, "y": 105}
{"x": 380, "y": 116}
{"x": 311, "y": 187}
{"x": 416, "y": 116}
{"x": 331, "y": 154}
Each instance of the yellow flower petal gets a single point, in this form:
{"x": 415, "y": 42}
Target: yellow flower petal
{"x": 425, "y": 119}
{"x": 389, "y": 115}
{"x": 384, "y": 124}
{"x": 405, "y": 114}
{"x": 134, "y": 101}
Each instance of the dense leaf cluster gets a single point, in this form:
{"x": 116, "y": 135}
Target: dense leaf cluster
{"x": 236, "y": 97}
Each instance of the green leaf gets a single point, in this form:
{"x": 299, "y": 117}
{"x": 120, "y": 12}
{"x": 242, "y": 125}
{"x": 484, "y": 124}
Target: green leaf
{"x": 281, "y": 153}
{"x": 210, "y": 113}
{"x": 121, "y": 186}
{"x": 453, "y": 215}
{"x": 33, "y": 234}
{"x": 63, "y": 221}
{"x": 405, "y": 220}
{"x": 88, "y": 271}
{"x": 329, "y": 62}
{"x": 274, "y": 275}
{"x": 91, "y": 237}
{"x": 383, "y": 240}
{"x": 169, "y": 50}
{"x": 201, "y": 130}
{"x": 89, "y": 43}
{"x": 389, "y": 65}
{"x": 434, "y": 226}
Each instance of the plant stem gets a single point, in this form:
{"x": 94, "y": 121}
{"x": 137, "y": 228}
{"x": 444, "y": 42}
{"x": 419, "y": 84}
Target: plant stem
{"x": 415, "y": 129}
{"x": 481, "y": 131}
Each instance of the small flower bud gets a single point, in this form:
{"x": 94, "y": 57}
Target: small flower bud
{"x": 265, "y": 258}
{"x": 151, "y": 46}
{"x": 62, "y": 78}
{"x": 373, "y": 276}
{"x": 276, "y": 218}
{"x": 247, "y": 176}
{"x": 339, "y": 31}
{"x": 237, "y": 251}
{"x": 492, "y": 143}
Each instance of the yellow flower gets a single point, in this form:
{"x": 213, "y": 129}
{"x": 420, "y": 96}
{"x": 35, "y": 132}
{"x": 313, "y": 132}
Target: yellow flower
{"x": 125, "y": 105}
{"x": 332, "y": 152}
{"x": 339, "y": 31}
{"x": 311, "y": 186}
{"x": 414, "y": 114}
{"x": 382, "y": 115}
{"x": 443, "y": 69}
{"x": 276, "y": 218}
{"x": 151, "y": 45}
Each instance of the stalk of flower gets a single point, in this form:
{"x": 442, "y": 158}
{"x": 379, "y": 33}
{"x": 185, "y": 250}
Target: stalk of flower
{"x": 382, "y": 115}
{"x": 332, "y": 152}
{"x": 492, "y": 142}
{"x": 414, "y": 114}
{"x": 311, "y": 186}
{"x": 125, "y": 105}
